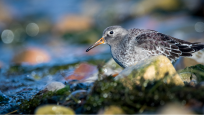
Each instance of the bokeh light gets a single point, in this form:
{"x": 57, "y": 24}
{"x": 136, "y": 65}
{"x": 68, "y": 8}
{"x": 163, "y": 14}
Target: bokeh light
{"x": 199, "y": 27}
{"x": 32, "y": 29}
{"x": 7, "y": 36}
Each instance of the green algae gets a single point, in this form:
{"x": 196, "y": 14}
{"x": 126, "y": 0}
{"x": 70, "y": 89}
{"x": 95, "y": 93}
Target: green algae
{"x": 197, "y": 70}
{"x": 43, "y": 97}
{"x": 145, "y": 97}
{"x": 151, "y": 69}
{"x": 139, "y": 99}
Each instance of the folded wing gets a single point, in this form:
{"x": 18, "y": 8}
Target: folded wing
{"x": 161, "y": 44}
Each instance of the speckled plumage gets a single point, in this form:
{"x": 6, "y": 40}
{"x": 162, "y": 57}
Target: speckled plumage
{"x": 131, "y": 46}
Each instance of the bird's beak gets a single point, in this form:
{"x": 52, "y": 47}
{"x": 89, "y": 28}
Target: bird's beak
{"x": 100, "y": 41}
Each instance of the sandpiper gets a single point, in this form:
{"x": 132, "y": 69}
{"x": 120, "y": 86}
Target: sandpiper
{"x": 131, "y": 46}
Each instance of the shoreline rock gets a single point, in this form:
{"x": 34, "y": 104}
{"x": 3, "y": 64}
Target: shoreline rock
{"x": 154, "y": 68}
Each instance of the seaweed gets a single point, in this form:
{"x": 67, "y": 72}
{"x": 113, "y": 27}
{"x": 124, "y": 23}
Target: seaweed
{"x": 198, "y": 70}
{"x": 107, "y": 92}
{"x": 146, "y": 97}
{"x": 43, "y": 97}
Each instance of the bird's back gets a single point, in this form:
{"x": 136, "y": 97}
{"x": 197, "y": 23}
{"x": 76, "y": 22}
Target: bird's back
{"x": 160, "y": 44}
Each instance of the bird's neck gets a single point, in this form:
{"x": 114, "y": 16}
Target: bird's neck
{"x": 117, "y": 43}
{"x": 121, "y": 43}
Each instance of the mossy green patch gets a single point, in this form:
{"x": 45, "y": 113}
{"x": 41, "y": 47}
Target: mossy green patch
{"x": 49, "y": 97}
{"x": 152, "y": 69}
{"x": 197, "y": 70}
{"x": 139, "y": 99}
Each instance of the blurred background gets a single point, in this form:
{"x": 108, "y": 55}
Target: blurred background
{"x": 43, "y": 40}
{"x": 52, "y": 31}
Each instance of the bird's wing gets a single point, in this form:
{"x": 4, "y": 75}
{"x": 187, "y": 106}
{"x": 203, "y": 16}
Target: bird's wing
{"x": 161, "y": 44}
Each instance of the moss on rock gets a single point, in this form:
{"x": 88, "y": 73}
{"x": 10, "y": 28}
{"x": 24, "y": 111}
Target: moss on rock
{"x": 197, "y": 70}
{"x": 139, "y": 99}
{"x": 154, "y": 68}
{"x": 49, "y": 97}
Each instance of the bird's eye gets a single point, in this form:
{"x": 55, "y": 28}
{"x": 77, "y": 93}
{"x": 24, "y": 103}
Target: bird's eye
{"x": 111, "y": 32}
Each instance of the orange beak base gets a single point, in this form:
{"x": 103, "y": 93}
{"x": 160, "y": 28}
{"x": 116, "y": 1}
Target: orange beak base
{"x": 100, "y": 41}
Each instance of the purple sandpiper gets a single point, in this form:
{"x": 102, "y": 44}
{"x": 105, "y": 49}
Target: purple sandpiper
{"x": 131, "y": 46}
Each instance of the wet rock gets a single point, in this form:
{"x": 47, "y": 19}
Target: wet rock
{"x": 73, "y": 23}
{"x": 195, "y": 73}
{"x": 78, "y": 94}
{"x": 54, "y": 86}
{"x": 113, "y": 110}
{"x": 193, "y": 83}
{"x": 54, "y": 109}
{"x": 188, "y": 77}
{"x": 154, "y": 68}
{"x": 174, "y": 108}
{"x": 32, "y": 56}
{"x": 3, "y": 99}
{"x": 111, "y": 68}
{"x": 75, "y": 100}
{"x": 85, "y": 72}
{"x": 78, "y": 86}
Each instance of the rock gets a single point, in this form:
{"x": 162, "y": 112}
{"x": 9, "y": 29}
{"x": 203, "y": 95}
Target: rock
{"x": 78, "y": 94}
{"x": 174, "y": 108}
{"x": 85, "y": 72}
{"x": 111, "y": 68}
{"x": 154, "y": 68}
{"x": 192, "y": 73}
{"x": 79, "y": 86}
{"x": 112, "y": 110}
{"x": 193, "y": 83}
{"x": 32, "y": 56}
{"x": 188, "y": 77}
{"x": 54, "y": 86}
{"x": 73, "y": 23}
{"x": 54, "y": 109}
{"x": 3, "y": 99}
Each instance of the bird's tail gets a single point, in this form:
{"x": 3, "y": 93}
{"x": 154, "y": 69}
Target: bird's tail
{"x": 187, "y": 50}
{"x": 198, "y": 47}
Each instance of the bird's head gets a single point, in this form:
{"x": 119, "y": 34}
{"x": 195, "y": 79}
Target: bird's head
{"x": 111, "y": 35}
